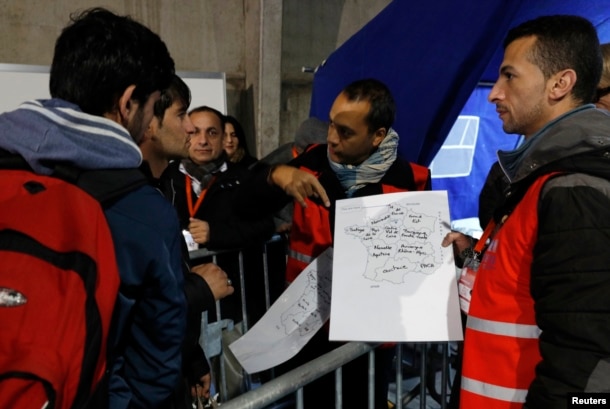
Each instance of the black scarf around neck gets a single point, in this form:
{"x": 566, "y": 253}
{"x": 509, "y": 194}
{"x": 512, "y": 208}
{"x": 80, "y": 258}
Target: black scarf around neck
{"x": 205, "y": 172}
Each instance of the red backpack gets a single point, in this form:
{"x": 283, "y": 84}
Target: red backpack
{"x": 58, "y": 284}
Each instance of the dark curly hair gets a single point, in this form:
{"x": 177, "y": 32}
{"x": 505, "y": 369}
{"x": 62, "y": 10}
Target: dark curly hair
{"x": 100, "y": 54}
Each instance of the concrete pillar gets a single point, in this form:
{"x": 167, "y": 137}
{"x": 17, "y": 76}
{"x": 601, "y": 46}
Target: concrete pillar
{"x": 263, "y": 70}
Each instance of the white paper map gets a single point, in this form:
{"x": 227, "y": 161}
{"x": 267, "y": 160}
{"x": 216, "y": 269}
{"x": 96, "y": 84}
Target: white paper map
{"x": 392, "y": 280}
{"x": 291, "y": 321}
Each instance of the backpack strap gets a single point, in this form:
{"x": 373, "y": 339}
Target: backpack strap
{"x": 105, "y": 185}
{"x": 12, "y": 161}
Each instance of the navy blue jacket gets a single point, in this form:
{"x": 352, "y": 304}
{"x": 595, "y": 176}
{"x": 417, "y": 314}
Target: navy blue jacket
{"x": 151, "y": 305}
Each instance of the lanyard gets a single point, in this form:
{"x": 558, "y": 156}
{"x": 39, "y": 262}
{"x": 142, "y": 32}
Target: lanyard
{"x": 189, "y": 195}
{"x": 295, "y": 153}
{"x": 478, "y": 248}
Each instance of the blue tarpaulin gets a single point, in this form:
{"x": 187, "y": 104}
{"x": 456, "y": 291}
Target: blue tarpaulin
{"x": 435, "y": 56}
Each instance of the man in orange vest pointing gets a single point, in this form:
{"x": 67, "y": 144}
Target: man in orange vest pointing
{"x": 359, "y": 159}
{"x": 537, "y": 332}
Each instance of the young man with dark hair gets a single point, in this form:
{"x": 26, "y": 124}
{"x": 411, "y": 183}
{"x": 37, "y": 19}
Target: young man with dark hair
{"x": 168, "y": 138}
{"x": 107, "y": 73}
{"x": 537, "y": 326}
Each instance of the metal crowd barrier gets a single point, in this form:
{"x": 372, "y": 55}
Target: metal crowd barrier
{"x": 264, "y": 395}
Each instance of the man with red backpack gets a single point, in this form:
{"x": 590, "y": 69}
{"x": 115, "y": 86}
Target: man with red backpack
{"x": 106, "y": 75}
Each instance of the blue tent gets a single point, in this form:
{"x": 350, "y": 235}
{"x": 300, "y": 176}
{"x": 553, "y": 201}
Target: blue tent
{"x": 439, "y": 59}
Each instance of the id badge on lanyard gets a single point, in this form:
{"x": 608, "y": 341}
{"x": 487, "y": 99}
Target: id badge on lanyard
{"x": 470, "y": 268}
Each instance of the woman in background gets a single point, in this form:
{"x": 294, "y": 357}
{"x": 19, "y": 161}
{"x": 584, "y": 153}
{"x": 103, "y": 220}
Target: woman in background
{"x": 234, "y": 143}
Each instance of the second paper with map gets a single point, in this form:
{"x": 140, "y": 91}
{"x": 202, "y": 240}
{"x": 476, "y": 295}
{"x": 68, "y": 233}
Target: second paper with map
{"x": 392, "y": 280}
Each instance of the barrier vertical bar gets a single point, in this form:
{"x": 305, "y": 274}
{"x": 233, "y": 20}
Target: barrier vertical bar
{"x": 422, "y": 383}
{"x": 266, "y": 275}
{"x": 224, "y": 392}
{"x": 242, "y": 280}
{"x": 300, "y": 403}
{"x": 444, "y": 374}
{"x": 398, "y": 376}
{"x": 371, "y": 393}
{"x": 339, "y": 388}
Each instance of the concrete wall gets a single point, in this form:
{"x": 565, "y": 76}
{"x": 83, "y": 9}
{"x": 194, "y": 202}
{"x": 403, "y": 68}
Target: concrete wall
{"x": 261, "y": 45}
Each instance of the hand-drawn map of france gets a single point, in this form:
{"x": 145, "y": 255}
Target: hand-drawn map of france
{"x": 398, "y": 244}
{"x": 392, "y": 280}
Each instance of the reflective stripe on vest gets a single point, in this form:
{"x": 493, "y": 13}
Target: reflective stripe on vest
{"x": 494, "y": 391}
{"x": 507, "y": 329}
{"x": 303, "y": 258}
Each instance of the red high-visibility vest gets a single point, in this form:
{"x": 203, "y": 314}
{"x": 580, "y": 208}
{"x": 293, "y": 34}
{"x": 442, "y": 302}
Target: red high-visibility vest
{"x": 501, "y": 341}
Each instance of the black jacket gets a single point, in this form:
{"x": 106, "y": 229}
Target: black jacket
{"x": 227, "y": 230}
{"x": 492, "y": 193}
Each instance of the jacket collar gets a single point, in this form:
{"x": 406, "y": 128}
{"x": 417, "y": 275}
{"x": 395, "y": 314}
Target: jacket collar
{"x": 581, "y": 130}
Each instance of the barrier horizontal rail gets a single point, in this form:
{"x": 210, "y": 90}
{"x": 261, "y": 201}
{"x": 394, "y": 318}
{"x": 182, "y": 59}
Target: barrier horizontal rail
{"x": 204, "y": 252}
{"x": 295, "y": 379}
